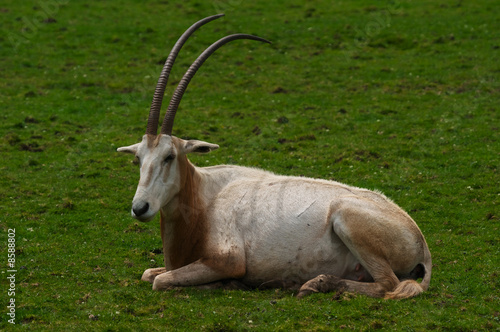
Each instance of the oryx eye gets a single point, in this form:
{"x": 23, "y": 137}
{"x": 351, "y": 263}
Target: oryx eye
{"x": 168, "y": 158}
{"x": 136, "y": 161}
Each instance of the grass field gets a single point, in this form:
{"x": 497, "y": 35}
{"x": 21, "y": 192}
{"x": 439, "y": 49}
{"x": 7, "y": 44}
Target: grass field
{"x": 402, "y": 97}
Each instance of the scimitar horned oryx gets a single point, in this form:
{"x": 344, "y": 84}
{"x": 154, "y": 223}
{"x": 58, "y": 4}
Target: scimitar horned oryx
{"x": 260, "y": 229}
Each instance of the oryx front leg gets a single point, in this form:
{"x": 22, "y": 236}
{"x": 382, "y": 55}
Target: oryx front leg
{"x": 198, "y": 273}
{"x": 150, "y": 274}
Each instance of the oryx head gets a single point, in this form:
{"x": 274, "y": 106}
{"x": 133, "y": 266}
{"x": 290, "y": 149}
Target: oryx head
{"x": 162, "y": 157}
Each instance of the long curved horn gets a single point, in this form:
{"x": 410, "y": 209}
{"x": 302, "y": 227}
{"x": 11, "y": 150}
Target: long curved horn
{"x": 168, "y": 121}
{"x": 154, "y": 112}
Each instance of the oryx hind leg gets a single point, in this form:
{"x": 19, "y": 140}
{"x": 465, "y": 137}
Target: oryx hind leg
{"x": 150, "y": 274}
{"x": 371, "y": 240}
{"x": 328, "y": 283}
{"x": 375, "y": 281}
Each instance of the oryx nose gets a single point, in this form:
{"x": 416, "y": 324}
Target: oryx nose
{"x": 140, "y": 209}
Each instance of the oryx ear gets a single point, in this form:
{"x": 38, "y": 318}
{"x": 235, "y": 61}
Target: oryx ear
{"x": 198, "y": 147}
{"x": 129, "y": 149}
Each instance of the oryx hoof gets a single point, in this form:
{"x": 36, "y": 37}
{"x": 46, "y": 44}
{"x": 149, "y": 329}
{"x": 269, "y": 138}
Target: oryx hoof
{"x": 321, "y": 284}
{"x": 150, "y": 274}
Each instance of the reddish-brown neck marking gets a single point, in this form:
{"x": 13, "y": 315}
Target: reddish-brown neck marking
{"x": 188, "y": 220}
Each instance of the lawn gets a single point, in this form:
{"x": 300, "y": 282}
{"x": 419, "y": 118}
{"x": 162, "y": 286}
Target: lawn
{"x": 398, "y": 96}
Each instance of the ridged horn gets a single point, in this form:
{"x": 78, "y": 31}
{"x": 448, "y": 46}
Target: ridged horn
{"x": 168, "y": 121}
{"x": 154, "y": 112}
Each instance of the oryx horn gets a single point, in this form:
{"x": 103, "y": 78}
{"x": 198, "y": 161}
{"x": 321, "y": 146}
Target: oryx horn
{"x": 168, "y": 121}
{"x": 154, "y": 112}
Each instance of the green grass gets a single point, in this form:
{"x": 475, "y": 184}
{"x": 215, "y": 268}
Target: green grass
{"x": 397, "y": 96}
